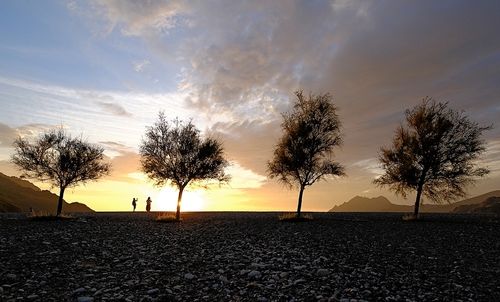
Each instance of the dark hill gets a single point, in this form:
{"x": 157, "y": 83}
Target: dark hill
{"x": 382, "y": 204}
{"x": 18, "y": 195}
{"x": 364, "y": 204}
{"x": 449, "y": 207}
{"x": 490, "y": 205}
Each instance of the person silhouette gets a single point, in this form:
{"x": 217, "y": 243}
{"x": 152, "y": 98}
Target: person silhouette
{"x": 148, "y": 204}
{"x": 134, "y": 202}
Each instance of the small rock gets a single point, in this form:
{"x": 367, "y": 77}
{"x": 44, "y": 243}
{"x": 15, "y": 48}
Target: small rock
{"x": 223, "y": 279}
{"x": 253, "y": 274}
{"x": 154, "y": 291}
{"x": 322, "y": 272}
{"x": 189, "y": 276}
{"x": 77, "y": 291}
{"x": 85, "y": 299}
{"x": 32, "y": 297}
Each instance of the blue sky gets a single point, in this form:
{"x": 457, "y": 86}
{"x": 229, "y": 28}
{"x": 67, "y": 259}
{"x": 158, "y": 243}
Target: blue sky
{"x": 105, "y": 69}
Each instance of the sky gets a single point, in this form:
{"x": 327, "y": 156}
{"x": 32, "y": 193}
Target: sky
{"x": 104, "y": 69}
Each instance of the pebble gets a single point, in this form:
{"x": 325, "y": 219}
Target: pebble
{"x": 77, "y": 291}
{"x": 322, "y": 272}
{"x": 189, "y": 276}
{"x": 251, "y": 257}
{"x": 253, "y": 274}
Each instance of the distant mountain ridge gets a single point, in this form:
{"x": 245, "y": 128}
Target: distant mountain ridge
{"x": 490, "y": 205}
{"x": 18, "y": 195}
{"x": 382, "y": 204}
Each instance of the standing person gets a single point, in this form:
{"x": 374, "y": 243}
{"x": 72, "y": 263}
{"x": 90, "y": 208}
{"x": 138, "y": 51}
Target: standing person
{"x": 148, "y": 204}
{"x": 134, "y": 202}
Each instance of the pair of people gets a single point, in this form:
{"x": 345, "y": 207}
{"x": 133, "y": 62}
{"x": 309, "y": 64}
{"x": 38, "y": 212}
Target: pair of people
{"x": 148, "y": 203}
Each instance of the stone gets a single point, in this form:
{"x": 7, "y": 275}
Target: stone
{"x": 189, "y": 276}
{"x": 253, "y": 274}
{"x": 85, "y": 299}
{"x": 322, "y": 272}
{"x": 154, "y": 291}
{"x": 77, "y": 291}
{"x": 223, "y": 279}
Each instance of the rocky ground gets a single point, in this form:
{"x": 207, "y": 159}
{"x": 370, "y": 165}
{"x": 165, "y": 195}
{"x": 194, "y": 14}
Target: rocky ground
{"x": 250, "y": 257}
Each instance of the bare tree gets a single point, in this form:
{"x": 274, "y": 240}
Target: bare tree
{"x": 175, "y": 153}
{"x": 434, "y": 154}
{"x": 304, "y": 154}
{"x": 63, "y": 161}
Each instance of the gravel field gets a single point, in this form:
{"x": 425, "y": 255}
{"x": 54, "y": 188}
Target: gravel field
{"x": 250, "y": 257}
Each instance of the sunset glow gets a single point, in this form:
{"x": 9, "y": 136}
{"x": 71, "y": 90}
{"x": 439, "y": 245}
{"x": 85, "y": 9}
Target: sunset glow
{"x": 191, "y": 201}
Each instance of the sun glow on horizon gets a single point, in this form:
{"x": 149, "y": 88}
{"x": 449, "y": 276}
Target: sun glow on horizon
{"x": 166, "y": 200}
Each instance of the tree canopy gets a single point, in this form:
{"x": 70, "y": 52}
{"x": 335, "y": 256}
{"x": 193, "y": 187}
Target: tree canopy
{"x": 435, "y": 154}
{"x": 305, "y": 152}
{"x": 176, "y": 153}
{"x": 57, "y": 158}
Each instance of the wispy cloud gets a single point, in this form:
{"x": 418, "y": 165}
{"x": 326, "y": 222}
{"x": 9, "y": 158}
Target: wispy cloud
{"x": 140, "y": 66}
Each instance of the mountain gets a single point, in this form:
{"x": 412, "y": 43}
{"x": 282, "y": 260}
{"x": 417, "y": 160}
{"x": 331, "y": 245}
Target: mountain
{"x": 382, "y": 204}
{"x": 449, "y": 207}
{"x": 490, "y": 205}
{"x": 364, "y": 204}
{"x": 18, "y": 195}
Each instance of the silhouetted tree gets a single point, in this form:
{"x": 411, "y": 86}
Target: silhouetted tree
{"x": 304, "y": 154}
{"x": 175, "y": 152}
{"x": 434, "y": 154}
{"x": 63, "y": 161}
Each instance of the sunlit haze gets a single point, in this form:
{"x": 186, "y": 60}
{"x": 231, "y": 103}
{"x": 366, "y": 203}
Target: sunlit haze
{"x": 105, "y": 68}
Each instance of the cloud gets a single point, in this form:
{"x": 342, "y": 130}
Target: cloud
{"x": 67, "y": 97}
{"x": 113, "y": 108}
{"x": 139, "y": 66}
{"x": 143, "y": 18}
{"x": 7, "y": 135}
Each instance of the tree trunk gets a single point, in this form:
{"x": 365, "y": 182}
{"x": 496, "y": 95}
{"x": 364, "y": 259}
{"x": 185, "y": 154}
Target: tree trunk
{"x": 60, "y": 203}
{"x": 419, "y": 192}
{"x": 417, "y": 202}
{"x": 299, "y": 206}
{"x": 179, "y": 198}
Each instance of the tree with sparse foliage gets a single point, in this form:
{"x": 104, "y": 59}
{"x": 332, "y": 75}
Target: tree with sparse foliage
{"x": 175, "y": 153}
{"x": 434, "y": 155}
{"x": 304, "y": 154}
{"x": 63, "y": 161}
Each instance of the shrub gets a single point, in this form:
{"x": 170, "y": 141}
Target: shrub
{"x": 167, "y": 217}
{"x": 295, "y": 217}
{"x": 45, "y": 216}
{"x": 412, "y": 217}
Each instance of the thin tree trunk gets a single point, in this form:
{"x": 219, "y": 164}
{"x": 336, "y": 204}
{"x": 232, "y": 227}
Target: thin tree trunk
{"x": 179, "y": 198}
{"x": 417, "y": 202}
{"x": 299, "y": 206}
{"x": 60, "y": 203}
{"x": 419, "y": 192}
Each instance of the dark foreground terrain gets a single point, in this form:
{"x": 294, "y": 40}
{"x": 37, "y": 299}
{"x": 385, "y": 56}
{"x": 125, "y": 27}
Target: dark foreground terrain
{"x": 250, "y": 257}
